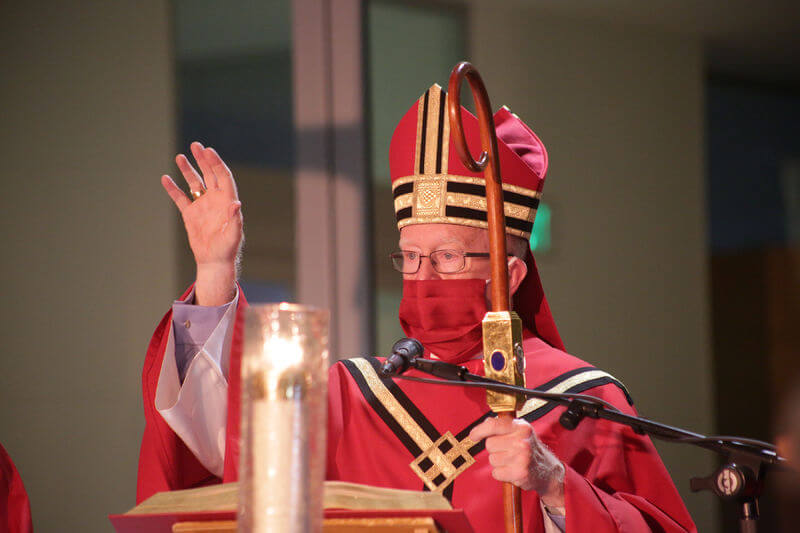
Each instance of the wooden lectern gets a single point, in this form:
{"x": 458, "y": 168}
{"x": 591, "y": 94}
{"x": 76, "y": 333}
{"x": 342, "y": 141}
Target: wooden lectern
{"x": 348, "y": 507}
{"x": 336, "y": 521}
{"x": 421, "y": 524}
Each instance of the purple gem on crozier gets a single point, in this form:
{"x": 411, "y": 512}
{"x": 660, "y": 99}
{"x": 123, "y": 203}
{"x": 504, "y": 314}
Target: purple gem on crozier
{"x": 498, "y": 361}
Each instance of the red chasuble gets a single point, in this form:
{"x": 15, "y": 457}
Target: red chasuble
{"x": 15, "y": 510}
{"x": 614, "y": 481}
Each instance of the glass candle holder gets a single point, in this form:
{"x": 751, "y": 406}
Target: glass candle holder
{"x": 283, "y": 408}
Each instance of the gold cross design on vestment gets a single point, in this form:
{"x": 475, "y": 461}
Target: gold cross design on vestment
{"x": 443, "y": 461}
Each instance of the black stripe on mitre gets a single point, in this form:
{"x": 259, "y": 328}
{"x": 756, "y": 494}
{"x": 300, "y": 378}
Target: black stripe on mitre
{"x": 509, "y": 197}
{"x": 480, "y": 215}
{"x": 404, "y": 188}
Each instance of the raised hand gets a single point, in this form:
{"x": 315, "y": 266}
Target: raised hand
{"x": 213, "y": 222}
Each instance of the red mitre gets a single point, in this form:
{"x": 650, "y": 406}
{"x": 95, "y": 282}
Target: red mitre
{"x": 430, "y": 185}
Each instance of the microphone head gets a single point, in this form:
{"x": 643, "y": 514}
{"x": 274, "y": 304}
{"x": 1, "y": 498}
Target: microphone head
{"x": 388, "y": 369}
{"x": 408, "y": 347}
{"x": 403, "y": 354}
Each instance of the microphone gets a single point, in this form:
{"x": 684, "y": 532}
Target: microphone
{"x": 404, "y": 352}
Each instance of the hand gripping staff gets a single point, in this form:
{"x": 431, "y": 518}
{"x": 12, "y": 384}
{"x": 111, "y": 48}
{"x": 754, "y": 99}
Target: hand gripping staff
{"x": 503, "y": 357}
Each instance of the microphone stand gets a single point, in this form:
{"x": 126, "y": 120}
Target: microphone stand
{"x": 740, "y": 478}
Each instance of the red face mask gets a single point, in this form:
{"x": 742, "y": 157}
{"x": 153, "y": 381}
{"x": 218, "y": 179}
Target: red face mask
{"x": 445, "y": 316}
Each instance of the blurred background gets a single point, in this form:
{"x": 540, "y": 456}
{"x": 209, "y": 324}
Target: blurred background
{"x": 668, "y": 243}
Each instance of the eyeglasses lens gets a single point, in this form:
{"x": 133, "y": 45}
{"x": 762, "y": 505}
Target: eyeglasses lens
{"x": 447, "y": 261}
{"x": 405, "y": 262}
{"x": 443, "y": 261}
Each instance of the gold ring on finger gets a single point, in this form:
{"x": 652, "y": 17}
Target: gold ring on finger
{"x": 198, "y": 194}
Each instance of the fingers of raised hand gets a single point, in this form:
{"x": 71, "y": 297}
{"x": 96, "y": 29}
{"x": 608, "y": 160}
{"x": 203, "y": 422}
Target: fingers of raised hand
{"x": 201, "y": 155}
{"x": 193, "y": 179}
{"x": 222, "y": 173}
{"x": 180, "y": 199}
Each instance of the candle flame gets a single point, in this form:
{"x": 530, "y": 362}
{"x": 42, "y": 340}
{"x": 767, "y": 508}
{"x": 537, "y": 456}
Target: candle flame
{"x": 282, "y": 353}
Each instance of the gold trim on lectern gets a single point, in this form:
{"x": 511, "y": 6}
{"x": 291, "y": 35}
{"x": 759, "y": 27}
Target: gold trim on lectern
{"x": 417, "y": 524}
{"x": 211, "y": 526}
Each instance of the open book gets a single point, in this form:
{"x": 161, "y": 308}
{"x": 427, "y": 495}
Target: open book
{"x": 338, "y": 495}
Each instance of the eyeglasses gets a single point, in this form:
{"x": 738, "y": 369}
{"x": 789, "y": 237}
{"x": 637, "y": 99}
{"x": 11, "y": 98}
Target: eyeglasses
{"x": 442, "y": 261}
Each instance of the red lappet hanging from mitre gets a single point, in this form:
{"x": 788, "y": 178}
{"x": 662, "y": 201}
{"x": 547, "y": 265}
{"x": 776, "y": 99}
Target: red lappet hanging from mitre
{"x": 430, "y": 185}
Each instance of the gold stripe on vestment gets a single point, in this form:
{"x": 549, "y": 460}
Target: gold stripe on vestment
{"x": 442, "y": 461}
{"x": 391, "y": 404}
{"x": 535, "y": 403}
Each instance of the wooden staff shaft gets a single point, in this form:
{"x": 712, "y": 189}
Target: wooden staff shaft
{"x": 490, "y": 165}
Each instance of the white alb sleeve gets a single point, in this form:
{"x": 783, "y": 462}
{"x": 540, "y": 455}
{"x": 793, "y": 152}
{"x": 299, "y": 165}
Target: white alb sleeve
{"x": 197, "y": 409}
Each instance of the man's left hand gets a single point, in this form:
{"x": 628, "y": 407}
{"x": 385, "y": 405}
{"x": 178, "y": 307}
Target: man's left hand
{"x": 519, "y": 457}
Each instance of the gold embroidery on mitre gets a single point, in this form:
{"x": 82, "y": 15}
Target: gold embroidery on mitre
{"x": 443, "y": 454}
{"x": 466, "y": 200}
{"x": 432, "y": 140}
{"x": 446, "y": 458}
{"x": 479, "y": 202}
{"x": 518, "y": 211}
{"x": 431, "y": 147}
{"x": 472, "y": 180}
{"x": 481, "y": 224}
{"x": 403, "y": 201}
{"x": 429, "y": 197}
{"x": 429, "y": 200}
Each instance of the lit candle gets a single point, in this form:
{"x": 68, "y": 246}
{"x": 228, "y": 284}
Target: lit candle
{"x": 284, "y": 377}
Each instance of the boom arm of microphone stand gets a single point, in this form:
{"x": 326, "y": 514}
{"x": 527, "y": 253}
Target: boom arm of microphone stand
{"x": 580, "y": 406}
{"x": 739, "y": 479}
